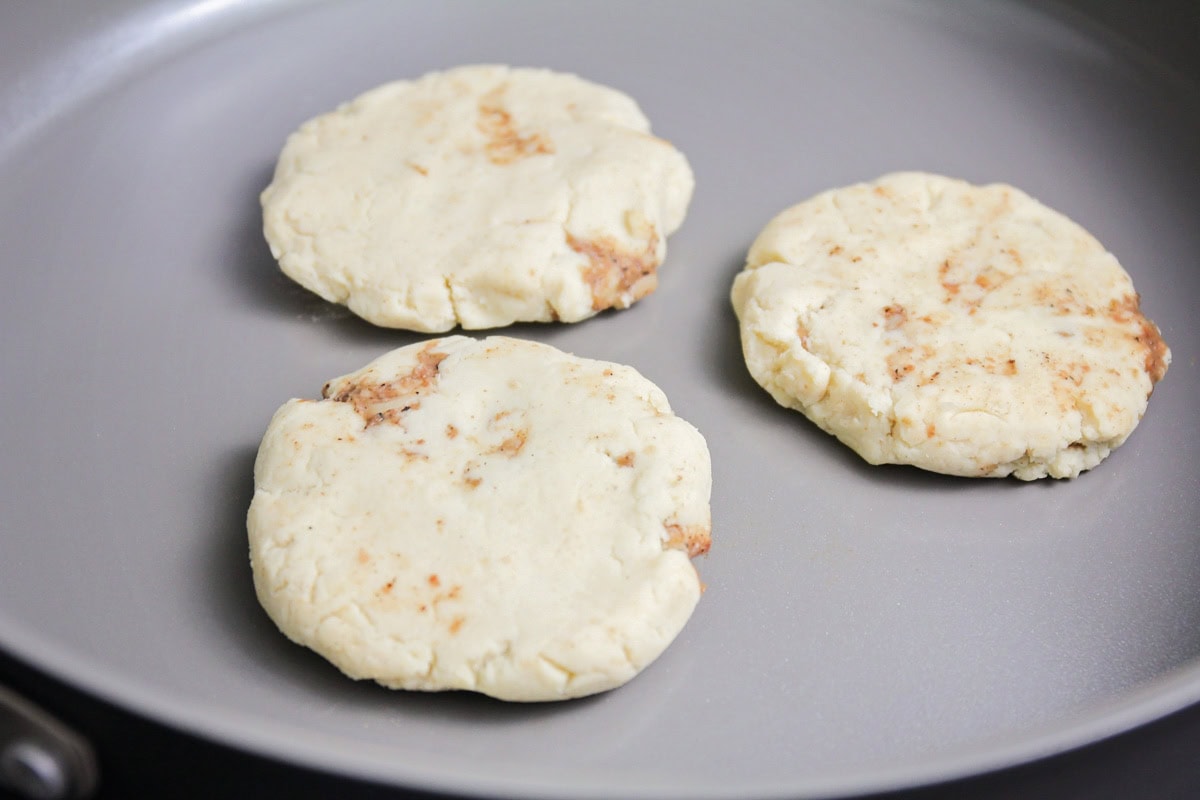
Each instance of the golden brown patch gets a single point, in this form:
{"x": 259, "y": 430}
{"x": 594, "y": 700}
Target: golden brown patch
{"x": 695, "y": 539}
{"x": 833, "y": 251}
{"x": 451, "y": 431}
{"x": 1074, "y": 372}
{"x": 894, "y": 316}
{"x": 416, "y": 167}
{"x": 513, "y": 444}
{"x": 434, "y": 580}
{"x": 472, "y": 481}
{"x": 456, "y": 624}
{"x": 617, "y": 276}
{"x": 944, "y": 278}
{"x": 901, "y": 363}
{"x": 387, "y": 587}
{"x": 930, "y": 430}
{"x": 363, "y": 556}
{"x": 504, "y": 144}
{"x": 365, "y": 395}
{"x": 625, "y": 459}
{"x": 802, "y": 332}
{"x": 1157, "y": 354}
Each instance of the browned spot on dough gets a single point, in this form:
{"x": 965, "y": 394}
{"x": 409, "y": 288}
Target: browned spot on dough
{"x": 1074, "y": 372}
{"x": 943, "y": 273}
{"x": 802, "y": 332}
{"x": 387, "y": 587}
{"x": 1015, "y": 256}
{"x": 994, "y": 366}
{"x": 434, "y": 580}
{"x": 364, "y": 395}
{"x": 695, "y": 539}
{"x": 504, "y": 144}
{"x": 422, "y": 608}
{"x": 833, "y": 251}
{"x": 1128, "y": 309}
{"x": 513, "y": 444}
{"x": 456, "y": 624}
{"x": 451, "y": 431}
{"x": 625, "y": 459}
{"x": 417, "y": 167}
{"x": 894, "y": 316}
{"x": 472, "y": 482}
{"x": 617, "y": 276}
{"x": 930, "y": 430}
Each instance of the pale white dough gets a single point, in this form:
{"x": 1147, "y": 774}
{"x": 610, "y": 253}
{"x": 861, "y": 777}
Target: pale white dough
{"x": 479, "y": 196}
{"x": 492, "y": 515}
{"x": 968, "y": 330}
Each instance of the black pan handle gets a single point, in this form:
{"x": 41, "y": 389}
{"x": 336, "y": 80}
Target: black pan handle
{"x": 40, "y": 757}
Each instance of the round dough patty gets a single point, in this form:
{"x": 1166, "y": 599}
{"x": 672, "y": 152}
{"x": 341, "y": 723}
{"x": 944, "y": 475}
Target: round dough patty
{"x": 479, "y": 196}
{"x": 968, "y": 330}
{"x": 492, "y": 515}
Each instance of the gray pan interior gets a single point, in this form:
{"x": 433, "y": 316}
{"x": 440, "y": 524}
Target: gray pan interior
{"x": 863, "y": 627}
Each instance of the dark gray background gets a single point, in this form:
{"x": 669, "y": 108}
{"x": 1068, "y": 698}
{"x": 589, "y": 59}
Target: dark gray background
{"x": 863, "y": 628}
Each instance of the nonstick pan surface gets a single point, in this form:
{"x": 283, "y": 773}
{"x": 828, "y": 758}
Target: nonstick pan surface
{"x": 864, "y": 627}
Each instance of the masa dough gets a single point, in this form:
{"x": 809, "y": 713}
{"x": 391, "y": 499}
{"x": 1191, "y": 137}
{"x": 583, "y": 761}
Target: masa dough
{"x": 968, "y": 330}
{"x": 492, "y": 515}
{"x": 479, "y": 196}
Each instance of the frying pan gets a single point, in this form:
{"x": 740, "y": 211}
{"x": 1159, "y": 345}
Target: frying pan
{"x": 865, "y": 628}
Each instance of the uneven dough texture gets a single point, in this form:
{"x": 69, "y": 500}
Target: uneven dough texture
{"x": 492, "y": 515}
{"x": 963, "y": 329}
{"x": 479, "y": 196}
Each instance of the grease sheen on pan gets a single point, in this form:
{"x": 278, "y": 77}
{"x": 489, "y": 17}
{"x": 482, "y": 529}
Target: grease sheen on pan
{"x": 479, "y": 196}
{"x": 492, "y": 515}
{"x": 968, "y": 330}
